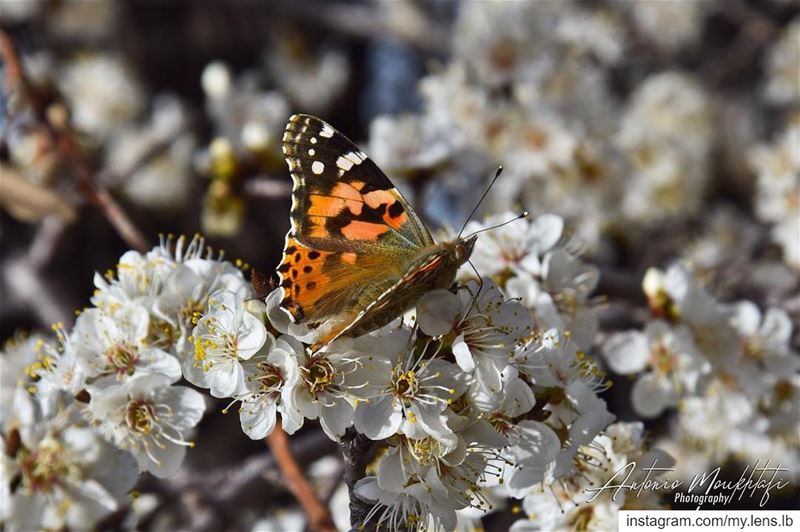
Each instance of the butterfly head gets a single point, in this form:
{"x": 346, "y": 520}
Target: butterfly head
{"x": 462, "y": 248}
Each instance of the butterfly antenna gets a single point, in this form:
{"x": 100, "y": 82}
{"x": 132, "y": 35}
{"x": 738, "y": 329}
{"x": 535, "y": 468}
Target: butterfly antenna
{"x": 496, "y": 175}
{"x": 523, "y": 214}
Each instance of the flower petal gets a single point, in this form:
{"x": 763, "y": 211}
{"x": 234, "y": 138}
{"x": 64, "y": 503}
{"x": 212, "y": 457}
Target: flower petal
{"x": 252, "y": 336}
{"x": 378, "y": 418}
{"x": 437, "y": 312}
{"x": 335, "y": 418}
{"x": 627, "y": 352}
{"x": 650, "y": 396}
{"x": 462, "y": 353}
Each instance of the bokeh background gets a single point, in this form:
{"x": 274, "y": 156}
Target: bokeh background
{"x": 660, "y": 130}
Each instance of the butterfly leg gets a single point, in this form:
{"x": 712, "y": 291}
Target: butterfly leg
{"x": 480, "y": 288}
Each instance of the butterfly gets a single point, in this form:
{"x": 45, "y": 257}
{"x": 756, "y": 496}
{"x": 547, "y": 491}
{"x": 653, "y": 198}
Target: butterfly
{"x": 356, "y": 255}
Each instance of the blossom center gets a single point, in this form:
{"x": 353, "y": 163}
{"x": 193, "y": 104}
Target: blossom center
{"x": 406, "y": 383}
{"x": 500, "y": 422}
{"x": 122, "y": 358}
{"x": 663, "y": 359}
{"x": 160, "y": 333}
{"x": 141, "y": 416}
{"x": 44, "y": 467}
{"x": 752, "y": 350}
{"x": 503, "y": 54}
{"x": 271, "y": 378}
{"x": 663, "y": 306}
{"x": 582, "y": 518}
{"x": 191, "y": 311}
{"x": 424, "y": 450}
{"x": 318, "y": 374}
{"x": 784, "y": 390}
{"x": 567, "y": 302}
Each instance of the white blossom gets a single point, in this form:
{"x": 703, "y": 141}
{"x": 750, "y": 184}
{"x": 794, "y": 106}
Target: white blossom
{"x": 574, "y": 500}
{"x": 268, "y": 376}
{"x": 118, "y": 346}
{"x": 102, "y": 92}
{"x": 17, "y": 358}
{"x": 674, "y": 363}
{"x": 777, "y": 200}
{"x": 186, "y": 292}
{"x": 325, "y": 388}
{"x": 224, "y": 337}
{"x": 518, "y": 247}
{"x": 60, "y": 474}
{"x": 485, "y": 327}
{"x": 148, "y": 417}
{"x": 403, "y": 392}
{"x": 782, "y": 68}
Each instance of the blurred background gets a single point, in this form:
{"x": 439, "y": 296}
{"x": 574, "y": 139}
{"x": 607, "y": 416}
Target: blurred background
{"x": 660, "y": 130}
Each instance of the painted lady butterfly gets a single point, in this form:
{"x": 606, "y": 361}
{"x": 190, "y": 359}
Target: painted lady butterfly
{"x": 357, "y": 255}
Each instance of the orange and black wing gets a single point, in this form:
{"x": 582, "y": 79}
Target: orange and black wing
{"x": 352, "y": 235}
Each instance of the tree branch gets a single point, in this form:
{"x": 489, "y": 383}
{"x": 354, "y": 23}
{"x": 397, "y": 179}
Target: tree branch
{"x": 319, "y": 518}
{"x": 355, "y": 450}
{"x": 63, "y": 139}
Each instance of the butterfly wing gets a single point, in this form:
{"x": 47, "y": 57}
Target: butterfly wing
{"x": 341, "y": 199}
{"x": 353, "y": 235}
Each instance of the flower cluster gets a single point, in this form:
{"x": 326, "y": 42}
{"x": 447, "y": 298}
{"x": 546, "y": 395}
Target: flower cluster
{"x": 728, "y": 369}
{"x": 782, "y": 69}
{"x": 469, "y": 390}
{"x": 537, "y": 99}
{"x": 538, "y": 264}
{"x": 578, "y": 503}
{"x": 776, "y": 163}
{"x": 777, "y": 167}
{"x": 99, "y": 404}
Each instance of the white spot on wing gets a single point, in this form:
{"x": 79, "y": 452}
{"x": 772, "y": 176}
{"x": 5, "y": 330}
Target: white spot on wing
{"x": 313, "y": 140}
{"x": 327, "y": 131}
{"x": 312, "y": 151}
{"x": 317, "y": 167}
{"x": 355, "y": 157}
{"x": 344, "y": 164}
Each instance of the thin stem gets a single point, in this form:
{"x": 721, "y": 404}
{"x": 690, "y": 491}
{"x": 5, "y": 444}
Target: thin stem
{"x": 319, "y": 518}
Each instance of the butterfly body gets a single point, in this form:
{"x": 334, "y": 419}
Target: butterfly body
{"x": 435, "y": 268}
{"x": 357, "y": 255}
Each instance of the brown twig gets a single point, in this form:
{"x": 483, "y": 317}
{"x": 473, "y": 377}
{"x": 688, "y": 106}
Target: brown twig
{"x": 63, "y": 139}
{"x": 319, "y": 518}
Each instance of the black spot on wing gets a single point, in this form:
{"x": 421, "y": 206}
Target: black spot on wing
{"x": 396, "y": 209}
{"x": 334, "y": 225}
